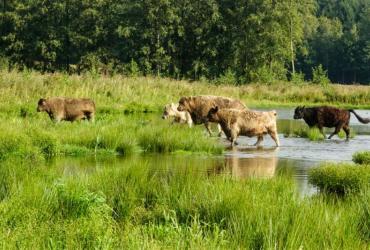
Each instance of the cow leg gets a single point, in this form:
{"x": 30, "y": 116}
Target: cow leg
{"x": 347, "y": 130}
{"x": 91, "y": 117}
{"x": 259, "y": 140}
{"x": 336, "y": 131}
{"x": 208, "y": 128}
{"x": 274, "y": 135}
{"x": 190, "y": 123}
{"x": 219, "y": 130}
{"x": 322, "y": 132}
{"x": 233, "y": 136}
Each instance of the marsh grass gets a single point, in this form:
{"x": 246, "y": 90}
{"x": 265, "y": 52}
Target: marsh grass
{"x": 22, "y": 90}
{"x": 313, "y": 134}
{"x": 136, "y": 207}
{"x": 112, "y": 134}
{"x": 342, "y": 179}
{"x": 362, "y": 157}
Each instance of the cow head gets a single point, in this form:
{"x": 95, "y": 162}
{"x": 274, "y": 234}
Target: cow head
{"x": 169, "y": 110}
{"x": 212, "y": 114}
{"x": 299, "y": 112}
{"x": 184, "y": 104}
{"x": 41, "y": 105}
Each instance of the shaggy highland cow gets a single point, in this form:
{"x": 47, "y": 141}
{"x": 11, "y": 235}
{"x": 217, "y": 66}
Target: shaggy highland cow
{"x": 68, "y": 109}
{"x": 249, "y": 123}
{"x": 329, "y": 117}
{"x": 199, "y": 106}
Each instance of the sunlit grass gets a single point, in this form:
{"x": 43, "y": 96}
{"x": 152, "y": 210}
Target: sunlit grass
{"x": 136, "y": 207}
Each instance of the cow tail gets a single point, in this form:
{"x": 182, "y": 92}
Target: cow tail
{"x": 359, "y": 118}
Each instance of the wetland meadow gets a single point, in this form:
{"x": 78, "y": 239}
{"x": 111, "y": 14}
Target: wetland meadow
{"x": 131, "y": 180}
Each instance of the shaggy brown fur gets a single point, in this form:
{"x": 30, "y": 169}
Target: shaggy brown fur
{"x": 170, "y": 110}
{"x": 329, "y": 117}
{"x": 68, "y": 109}
{"x": 199, "y": 106}
{"x": 245, "y": 122}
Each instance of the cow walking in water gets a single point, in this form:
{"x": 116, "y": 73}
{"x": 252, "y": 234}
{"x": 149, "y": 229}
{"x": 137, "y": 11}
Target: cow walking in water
{"x": 245, "y": 122}
{"x": 199, "y": 106}
{"x": 329, "y": 117}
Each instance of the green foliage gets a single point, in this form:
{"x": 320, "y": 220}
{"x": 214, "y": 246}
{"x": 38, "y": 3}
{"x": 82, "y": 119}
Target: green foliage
{"x": 297, "y": 78}
{"x": 257, "y": 41}
{"x": 132, "y": 69}
{"x": 320, "y": 76}
{"x": 229, "y": 77}
{"x": 342, "y": 134}
{"x": 364, "y": 220}
{"x": 313, "y": 134}
{"x": 136, "y": 206}
{"x": 340, "y": 178}
{"x": 362, "y": 157}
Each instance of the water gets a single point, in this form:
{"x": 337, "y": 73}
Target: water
{"x": 295, "y": 156}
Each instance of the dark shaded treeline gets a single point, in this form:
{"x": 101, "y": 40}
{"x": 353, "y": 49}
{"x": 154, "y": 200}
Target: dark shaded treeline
{"x": 242, "y": 41}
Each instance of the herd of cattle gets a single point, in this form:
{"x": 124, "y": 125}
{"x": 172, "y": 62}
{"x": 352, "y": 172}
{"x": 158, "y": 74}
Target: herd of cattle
{"x": 231, "y": 115}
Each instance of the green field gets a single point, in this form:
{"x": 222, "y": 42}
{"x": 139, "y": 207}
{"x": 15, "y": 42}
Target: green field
{"x": 133, "y": 206}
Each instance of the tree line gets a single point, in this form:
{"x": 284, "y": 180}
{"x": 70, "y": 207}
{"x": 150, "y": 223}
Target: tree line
{"x": 236, "y": 40}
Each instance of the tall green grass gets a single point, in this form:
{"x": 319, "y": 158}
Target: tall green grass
{"x": 362, "y": 157}
{"x": 340, "y": 178}
{"x": 134, "y": 206}
{"x": 39, "y": 138}
{"x": 22, "y": 90}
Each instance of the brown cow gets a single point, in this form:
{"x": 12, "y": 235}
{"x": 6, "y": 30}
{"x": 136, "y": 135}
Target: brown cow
{"x": 199, "y": 106}
{"x": 245, "y": 122}
{"x": 329, "y": 117}
{"x": 68, "y": 109}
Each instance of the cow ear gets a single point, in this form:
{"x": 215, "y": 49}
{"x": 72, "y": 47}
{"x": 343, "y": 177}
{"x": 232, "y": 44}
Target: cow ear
{"x": 214, "y": 110}
{"x": 183, "y": 99}
{"x": 42, "y": 101}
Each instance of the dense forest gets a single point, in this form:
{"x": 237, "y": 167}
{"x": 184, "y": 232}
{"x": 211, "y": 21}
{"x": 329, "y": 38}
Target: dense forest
{"x": 241, "y": 41}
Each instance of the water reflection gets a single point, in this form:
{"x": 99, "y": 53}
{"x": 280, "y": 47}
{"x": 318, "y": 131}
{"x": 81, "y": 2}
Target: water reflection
{"x": 258, "y": 166}
{"x": 294, "y": 158}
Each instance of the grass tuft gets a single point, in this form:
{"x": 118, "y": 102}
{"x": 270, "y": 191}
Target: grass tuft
{"x": 361, "y": 157}
{"x": 342, "y": 179}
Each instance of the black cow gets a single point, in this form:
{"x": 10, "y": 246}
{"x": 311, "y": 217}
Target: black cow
{"x": 325, "y": 116}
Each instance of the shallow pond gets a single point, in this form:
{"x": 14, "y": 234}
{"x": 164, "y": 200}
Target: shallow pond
{"x": 294, "y": 157}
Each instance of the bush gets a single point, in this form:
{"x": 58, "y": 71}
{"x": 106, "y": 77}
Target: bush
{"x": 320, "y": 76}
{"x": 228, "y": 77}
{"x": 297, "y": 78}
{"x": 362, "y": 157}
{"x": 340, "y": 178}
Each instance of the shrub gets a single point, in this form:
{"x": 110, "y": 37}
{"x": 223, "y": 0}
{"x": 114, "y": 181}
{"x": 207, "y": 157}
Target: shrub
{"x": 320, "y": 76}
{"x": 297, "y": 78}
{"x": 228, "y": 77}
{"x": 340, "y": 178}
{"x": 362, "y": 157}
